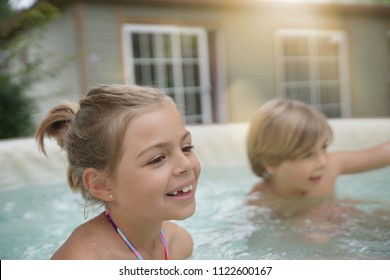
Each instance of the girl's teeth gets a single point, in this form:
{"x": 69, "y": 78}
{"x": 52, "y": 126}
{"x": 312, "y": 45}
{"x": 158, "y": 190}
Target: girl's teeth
{"x": 184, "y": 190}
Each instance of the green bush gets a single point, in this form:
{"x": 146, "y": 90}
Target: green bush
{"x": 20, "y": 68}
{"x": 16, "y": 110}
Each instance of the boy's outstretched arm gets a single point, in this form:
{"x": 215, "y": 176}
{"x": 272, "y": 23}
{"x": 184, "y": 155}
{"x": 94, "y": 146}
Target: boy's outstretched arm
{"x": 350, "y": 162}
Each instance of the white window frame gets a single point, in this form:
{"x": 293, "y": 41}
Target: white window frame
{"x": 177, "y": 61}
{"x": 338, "y": 37}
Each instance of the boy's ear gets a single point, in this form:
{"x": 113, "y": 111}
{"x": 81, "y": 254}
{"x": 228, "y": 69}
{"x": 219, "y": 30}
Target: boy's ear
{"x": 96, "y": 186}
{"x": 270, "y": 168}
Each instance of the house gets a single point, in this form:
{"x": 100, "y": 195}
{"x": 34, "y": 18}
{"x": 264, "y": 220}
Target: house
{"x": 221, "y": 59}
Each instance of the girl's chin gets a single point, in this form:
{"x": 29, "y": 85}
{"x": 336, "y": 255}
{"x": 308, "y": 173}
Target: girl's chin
{"x": 184, "y": 213}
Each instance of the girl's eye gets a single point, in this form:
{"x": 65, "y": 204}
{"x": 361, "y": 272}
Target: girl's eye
{"x": 157, "y": 160}
{"x": 188, "y": 148}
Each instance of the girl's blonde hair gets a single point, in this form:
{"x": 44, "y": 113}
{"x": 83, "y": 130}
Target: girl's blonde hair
{"x": 281, "y": 130}
{"x": 92, "y": 132}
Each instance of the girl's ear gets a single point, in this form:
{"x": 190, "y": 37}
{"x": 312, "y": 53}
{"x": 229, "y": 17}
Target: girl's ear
{"x": 96, "y": 186}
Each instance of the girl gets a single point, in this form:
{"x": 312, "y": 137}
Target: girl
{"x": 127, "y": 149}
{"x": 287, "y": 147}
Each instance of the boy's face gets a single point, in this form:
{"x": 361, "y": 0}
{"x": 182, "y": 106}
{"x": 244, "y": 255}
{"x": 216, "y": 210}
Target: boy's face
{"x": 157, "y": 176}
{"x": 305, "y": 174}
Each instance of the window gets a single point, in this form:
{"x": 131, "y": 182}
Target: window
{"x": 312, "y": 68}
{"x": 173, "y": 58}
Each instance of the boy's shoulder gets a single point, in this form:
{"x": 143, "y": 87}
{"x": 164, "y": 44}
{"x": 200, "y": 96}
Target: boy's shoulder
{"x": 261, "y": 187}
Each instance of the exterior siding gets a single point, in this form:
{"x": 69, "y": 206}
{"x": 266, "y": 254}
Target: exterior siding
{"x": 103, "y": 44}
{"x": 249, "y": 49}
{"x": 253, "y": 79}
{"x": 59, "y": 44}
{"x": 370, "y": 93}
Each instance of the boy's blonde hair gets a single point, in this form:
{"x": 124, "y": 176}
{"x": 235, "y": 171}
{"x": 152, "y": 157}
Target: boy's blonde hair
{"x": 92, "y": 132}
{"x": 281, "y": 130}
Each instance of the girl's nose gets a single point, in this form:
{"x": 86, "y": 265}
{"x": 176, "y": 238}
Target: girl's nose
{"x": 183, "y": 164}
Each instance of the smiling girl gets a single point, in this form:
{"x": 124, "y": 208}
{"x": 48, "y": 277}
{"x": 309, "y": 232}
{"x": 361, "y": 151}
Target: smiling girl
{"x": 129, "y": 150}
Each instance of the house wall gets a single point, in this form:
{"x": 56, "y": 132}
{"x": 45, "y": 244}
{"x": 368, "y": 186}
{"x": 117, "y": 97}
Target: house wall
{"x": 59, "y": 46}
{"x": 103, "y": 45}
{"x": 249, "y": 54}
{"x": 369, "y": 63}
{"x": 251, "y": 48}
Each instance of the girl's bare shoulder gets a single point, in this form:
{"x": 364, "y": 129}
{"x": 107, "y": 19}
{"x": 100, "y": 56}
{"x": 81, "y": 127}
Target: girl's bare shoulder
{"x": 179, "y": 241}
{"x": 84, "y": 243}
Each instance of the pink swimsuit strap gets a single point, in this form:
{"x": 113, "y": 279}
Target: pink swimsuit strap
{"x": 128, "y": 243}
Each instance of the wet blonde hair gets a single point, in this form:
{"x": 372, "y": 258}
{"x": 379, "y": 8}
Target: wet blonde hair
{"x": 282, "y": 130}
{"x": 92, "y": 132}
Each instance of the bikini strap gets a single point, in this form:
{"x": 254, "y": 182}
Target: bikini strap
{"x": 165, "y": 244}
{"x": 128, "y": 243}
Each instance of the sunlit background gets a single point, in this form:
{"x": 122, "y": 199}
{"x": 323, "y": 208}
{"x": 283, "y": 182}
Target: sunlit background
{"x": 220, "y": 60}
{"x": 21, "y": 4}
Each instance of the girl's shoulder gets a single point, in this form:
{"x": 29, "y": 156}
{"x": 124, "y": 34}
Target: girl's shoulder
{"x": 83, "y": 243}
{"x": 179, "y": 241}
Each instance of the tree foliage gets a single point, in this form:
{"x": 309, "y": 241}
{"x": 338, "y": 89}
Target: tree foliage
{"x": 15, "y": 110}
{"x": 19, "y": 66}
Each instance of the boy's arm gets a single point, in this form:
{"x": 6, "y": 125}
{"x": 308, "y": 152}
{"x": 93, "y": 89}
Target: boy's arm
{"x": 350, "y": 162}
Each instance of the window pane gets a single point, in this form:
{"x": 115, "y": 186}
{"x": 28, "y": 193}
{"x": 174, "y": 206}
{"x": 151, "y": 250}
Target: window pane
{"x": 145, "y": 46}
{"x": 144, "y": 74}
{"x": 299, "y": 93}
{"x": 189, "y": 46}
{"x": 331, "y": 111}
{"x": 328, "y": 70}
{"x": 167, "y": 45}
{"x": 169, "y": 75}
{"x": 327, "y": 47}
{"x": 193, "y": 103}
{"x": 295, "y": 46}
{"x": 291, "y": 73}
{"x": 191, "y": 75}
{"x": 297, "y": 71}
{"x": 330, "y": 94}
{"x": 136, "y": 45}
{"x": 138, "y": 74}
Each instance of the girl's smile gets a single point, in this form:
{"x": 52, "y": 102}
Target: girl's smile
{"x": 184, "y": 190}
{"x": 159, "y": 166}
{"x": 129, "y": 150}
